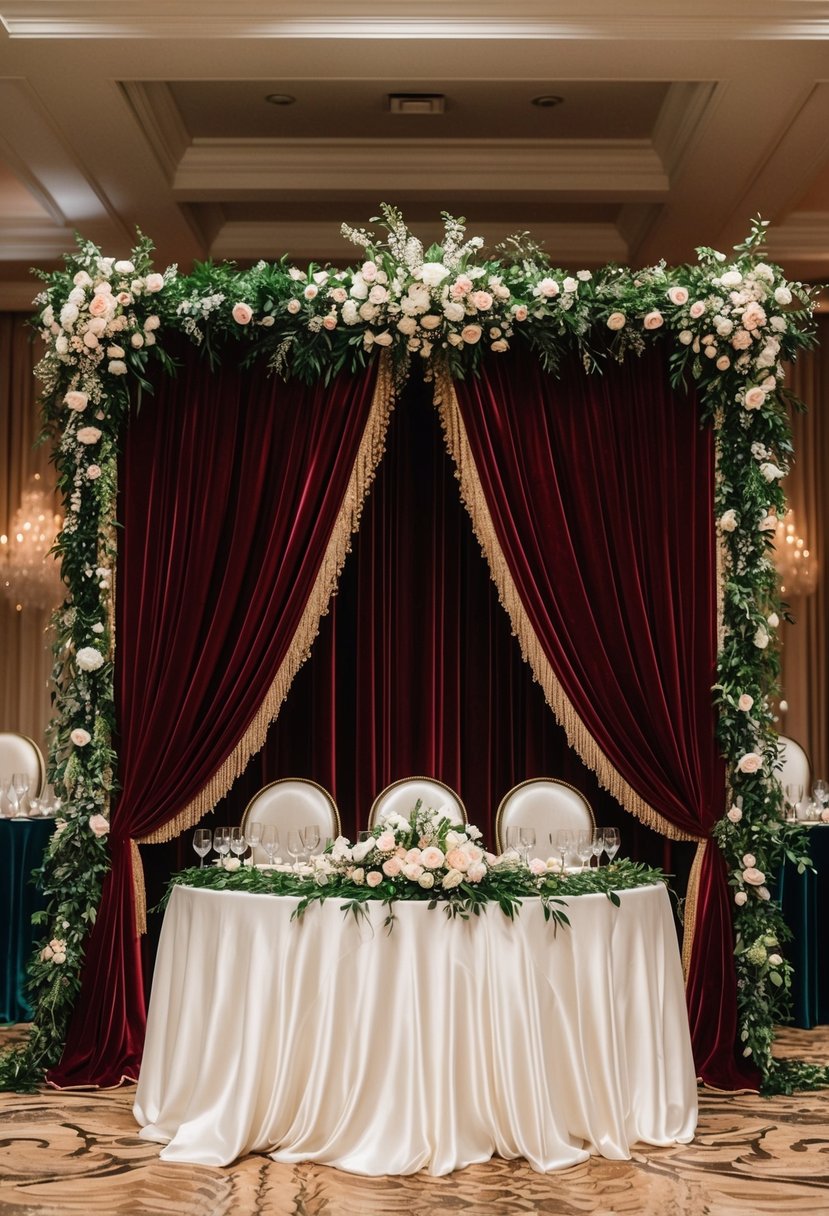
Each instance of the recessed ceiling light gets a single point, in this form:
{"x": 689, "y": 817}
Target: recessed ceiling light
{"x": 280, "y": 99}
{"x": 547, "y": 100}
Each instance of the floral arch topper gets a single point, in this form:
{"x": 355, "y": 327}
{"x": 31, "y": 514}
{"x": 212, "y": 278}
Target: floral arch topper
{"x": 732, "y": 320}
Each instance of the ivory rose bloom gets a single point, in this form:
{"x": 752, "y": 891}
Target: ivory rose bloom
{"x": 385, "y": 842}
{"x": 454, "y": 878}
{"x": 374, "y": 878}
{"x": 728, "y": 520}
{"x": 384, "y": 339}
{"x": 538, "y": 866}
{"x": 80, "y": 737}
{"x": 430, "y": 321}
{"x": 773, "y": 620}
{"x": 775, "y": 960}
{"x": 293, "y": 307}
{"x": 89, "y": 659}
{"x": 740, "y": 898}
{"x": 433, "y": 273}
{"x": 761, "y": 638}
{"x": 548, "y": 288}
{"x": 482, "y": 300}
{"x": 88, "y": 435}
{"x": 696, "y": 310}
{"x": 117, "y": 368}
{"x": 392, "y": 867}
{"x": 413, "y": 871}
{"x": 749, "y": 859}
{"x": 431, "y": 858}
{"x": 750, "y": 763}
{"x": 154, "y": 282}
{"x": 476, "y": 871}
{"x": 461, "y": 287}
{"x": 753, "y": 876}
{"x": 653, "y": 319}
{"x": 521, "y": 312}
{"x": 745, "y": 702}
{"x": 99, "y": 306}
{"x": 311, "y": 291}
{"x": 426, "y": 880}
{"x": 76, "y": 400}
{"x": 456, "y": 859}
{"x": 782, "y": 296}
{"x": 471, "y": 334}
{"x": 734, "y": 814}
{"x": 678, "y": 295}
{"x": 231, "y": 864}
{"x": 616, "y": 320}
{"x": 93, "y": 472}
{"x": 98, "y": 825}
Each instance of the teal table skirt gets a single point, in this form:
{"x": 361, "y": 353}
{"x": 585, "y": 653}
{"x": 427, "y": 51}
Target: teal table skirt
{"x": 22, "y": 842}
{"x": 804, "y": 899}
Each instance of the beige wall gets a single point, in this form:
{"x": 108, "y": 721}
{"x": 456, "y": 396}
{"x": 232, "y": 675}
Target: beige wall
{"x": 25, "y": 651}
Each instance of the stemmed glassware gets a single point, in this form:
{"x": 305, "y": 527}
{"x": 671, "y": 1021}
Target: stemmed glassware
{"x": 565, "y": 844}
{"x": 294, "y": 843}
{"x": 526, "y": 841}
{"x": 253, "y": 837}
{"x": 597, "y": 845}
{"x": 20, "y": 783}
{"x": 584, "y": 846}
{"x": 201, "y": 843}
{"x": 270, "y": 841}
{"x": 221, "y": 842}
{"x": 612, "y": 841}
{"x": 820, "y": 793}
{"x": 310, "y": 838}
{"x": 794, "y": 797}
{"x": 238, "y": 844}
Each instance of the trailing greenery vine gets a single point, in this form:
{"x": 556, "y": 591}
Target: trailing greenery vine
{"x": 731, "y": 320}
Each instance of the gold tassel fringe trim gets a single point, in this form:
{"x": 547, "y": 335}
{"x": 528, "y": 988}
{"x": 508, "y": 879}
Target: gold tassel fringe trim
{"x": 372, "y": 446}
{"x": 139, "y": 890}
{"x": 689, "y": 922}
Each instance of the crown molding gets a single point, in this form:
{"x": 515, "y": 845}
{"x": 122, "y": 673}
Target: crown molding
{"x": 33, "y": 240}
{"x": 602, "y": 169}
{"x": 570, "y": 244}
{"x": 803, "y": 235}
{"x": 482, "y": 19}
{"x": 160, "y": 121}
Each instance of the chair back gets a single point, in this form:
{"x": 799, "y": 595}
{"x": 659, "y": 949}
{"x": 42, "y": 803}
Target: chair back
{"x": 19, "y": 754}
{"x": 796, "y": 769}
{"x": 545, "y": 804}
{"x": 402, "y": 795}
{"x": 292, "y": 802}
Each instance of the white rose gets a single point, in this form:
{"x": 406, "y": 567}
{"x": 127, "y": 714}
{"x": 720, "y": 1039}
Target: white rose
{"x": 68, "y": 315}
{"x": 88, "y": 435}
{"x": 731, "y": 278}
{"x": 570, "y": 285}
{"x": 89, "y": 659}
{"x": 82, "y": 279}
{"x": 61, "y": 344}
{"x": 745, "y": 702}
{"x": 734, "y": 814}
{"x": 773, "y": 620}
{"x": 426, "y": 880}
{"x": 430, "y": 321}
{"x": 761, "y": 638}
{"x": 231, "y": 863}
{"x": 678, "y": 295}
{"x": 728, "y": 520}
{"x": 782, "y": 296}
{"x": 378, "y": 294}
{"x": 76, "y": 296}
{"x": 76, "y": 400}
{"x": 686, "y": 337}
{"x": 369, "y": 271}
{"x": 433, "y": 273}
{"x": 80, "y": 737}
{"x": 117, "y": 368}
{"x": 775, "y": 960}
{"x": 407, "y": 325}
{"x": 740, "y": 898}
{"x": 548, "y": 288}
{"x": 771, "y": 471}
{"x": 751, "y": 762}
{"x": 349, "y": 313}
{"x": 453, "y": 879}
{"x": 359, "y": 287}
{"x": 154, "y": 282}
{"x": 453, "y": 311}
{"x": 767, "y": 524}
{"x": 124, "y": 267}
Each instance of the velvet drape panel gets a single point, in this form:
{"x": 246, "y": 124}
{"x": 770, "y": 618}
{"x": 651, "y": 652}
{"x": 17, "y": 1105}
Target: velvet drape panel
{"x": 232, "y": 488}
{"x": 600, "y": 493}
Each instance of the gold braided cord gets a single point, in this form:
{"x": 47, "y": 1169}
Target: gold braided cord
{"x": 372, "y": 446}
{"x": 578, "y": 736}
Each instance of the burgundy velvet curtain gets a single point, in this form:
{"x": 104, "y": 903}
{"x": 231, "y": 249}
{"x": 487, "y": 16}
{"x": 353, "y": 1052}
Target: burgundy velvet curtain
{"x": 601, "y": 494}
{"x": 231, "y": 486}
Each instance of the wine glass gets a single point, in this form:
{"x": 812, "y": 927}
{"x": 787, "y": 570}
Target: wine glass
{"x": 221, "y": 842}
{"x": 20, "y": 781}
{"x": 47, "y": 801}
{"x": 310, "y": 837}
{"x": 611, "y": 842}
{"x": 34, "y": 808}
{"x": 270, "y": 841}
{"x": 253, "y": 837}
{"x": 201, "y": 843}
{"x": 512, "y": 840}
{"x": 584, "y": 846}
{"x": 294, "y": 843}
{"x": 238, "y": 844}
{"x": 597, "y": 845}
{"x": 794, "y": 796}
{"x": 565, "y": 843}
{"x": 526, "y": 841}
{"x": 820, "y": 792}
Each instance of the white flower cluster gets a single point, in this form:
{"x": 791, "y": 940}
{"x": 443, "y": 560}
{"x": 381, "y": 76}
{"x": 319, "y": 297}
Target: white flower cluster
{"x": 427, "y": 849}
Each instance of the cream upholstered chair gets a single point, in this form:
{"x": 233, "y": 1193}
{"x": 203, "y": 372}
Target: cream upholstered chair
{"x": 796, "y": 769}
{"x": 19, "y": 754}
{"x": 402, "y": 795}
{"x": 292, "y": 802}
{"x": 545, "y": 804}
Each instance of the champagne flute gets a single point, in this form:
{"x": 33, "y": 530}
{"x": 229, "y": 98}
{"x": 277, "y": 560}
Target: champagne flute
{"x": 310, "y": 838}
{"x": 202, "y": 841}
{"x": 221, "y": 843}
{"x": 584, "y": 846}
{"x": 238, "y": 844}
{"x": 611, "y": 842}
{"x": 270, "y": 841}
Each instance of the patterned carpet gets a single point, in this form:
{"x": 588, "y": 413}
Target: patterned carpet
{"x": 68, "y": 1153}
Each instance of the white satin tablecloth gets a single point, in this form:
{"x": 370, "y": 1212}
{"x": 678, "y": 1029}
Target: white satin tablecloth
{"x": 429, "y": 1048}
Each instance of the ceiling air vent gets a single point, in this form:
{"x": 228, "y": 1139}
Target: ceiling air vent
{"x": 417, "y": 103}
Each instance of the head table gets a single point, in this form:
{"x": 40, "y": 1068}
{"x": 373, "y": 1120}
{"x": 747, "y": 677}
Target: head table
{"x": 430, "y": 1047}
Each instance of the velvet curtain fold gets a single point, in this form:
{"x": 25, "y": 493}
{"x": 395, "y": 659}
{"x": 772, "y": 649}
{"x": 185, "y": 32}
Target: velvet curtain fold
{"x": 239, "y": 494}
{"x": 593, "y": 499}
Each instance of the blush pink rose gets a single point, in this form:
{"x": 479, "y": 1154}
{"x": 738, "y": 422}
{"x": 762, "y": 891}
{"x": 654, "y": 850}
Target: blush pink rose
{"x": 548, "y": 288}
{"x": 385, "y": 842}
{"x": 749, "y": 860}
{"x": 154, "y": 282}
{"x": 741, "y": 340}
{"x": 754, "y": 316}
{"x": 471, "y": 334}
{"x": 753, "y": 876}
{"x": 242, "y": 313}
{"x": 432, "y": 858}
{"x": 750, "y": 763}
{"x": 98, "y": 825}
{"x": 374, "y": 878}
{"x": 734, "y": 814}
{"x": 476, "y": 871}
{"x": 745, "y": 702}
{"x": 740, "y": 898}
{"x": 461, "y": 287}
{"x": 99, "y": 306}
{"x": 392, "y": 867}
{"x": 482, "y": 300}
{"x": 76, "y": 400}
{"x": 754, "y": 397}
{"x": 457, "y": 859}
{"x": 538, "y": 866}
{"x": 678, "y": 295}
{"x": 653, "y": 319}
{"x": 329, "y": 322}
{"x": 616, "y": 320}
{"x": 413, "y": 871}
{"x": 697, "y": 309}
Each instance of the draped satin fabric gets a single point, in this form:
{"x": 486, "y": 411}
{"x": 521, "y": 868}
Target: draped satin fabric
{"x": 431, "y": 1047}
{"x": 601, "y": 495}
{"x": 231, "y": 485}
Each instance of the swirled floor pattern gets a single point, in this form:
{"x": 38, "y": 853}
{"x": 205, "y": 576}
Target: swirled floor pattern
{"x": 77, "y": 1154}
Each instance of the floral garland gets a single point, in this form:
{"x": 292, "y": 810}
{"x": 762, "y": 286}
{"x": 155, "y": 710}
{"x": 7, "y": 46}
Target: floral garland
{"x": 733, "y": 320}
{"x": 426, "y": 857}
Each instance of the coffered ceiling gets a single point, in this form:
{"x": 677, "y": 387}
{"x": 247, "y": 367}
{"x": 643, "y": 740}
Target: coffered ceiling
{"x": 674, "y": 124}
